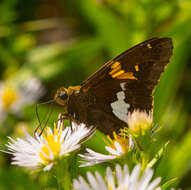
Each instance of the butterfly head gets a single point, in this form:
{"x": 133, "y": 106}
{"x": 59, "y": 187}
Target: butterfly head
{"x": 62, "y": 96}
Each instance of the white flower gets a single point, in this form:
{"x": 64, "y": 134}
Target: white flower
{"x": 139, "y": 121}
{"x": 122, "y": 179}
{"x": 116, "y": 148}
{"x": 44, "y": 149}
{"x": 14, "y": 96}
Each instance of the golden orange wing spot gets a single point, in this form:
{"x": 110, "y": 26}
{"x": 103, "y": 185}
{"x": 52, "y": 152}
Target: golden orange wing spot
{"x": 114, "y": 65}
{"x": 137, "y": 67}
{"x": 128, "y": 75}
{"x": 149, "y": 46}
{"x": 118, "y": 74}
{"x": 115, "y": 70}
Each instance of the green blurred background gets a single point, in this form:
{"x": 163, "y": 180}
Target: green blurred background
{"x": 61, "y": 42}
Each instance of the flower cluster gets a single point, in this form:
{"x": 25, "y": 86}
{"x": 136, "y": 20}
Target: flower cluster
{"x": 46, "y": 149}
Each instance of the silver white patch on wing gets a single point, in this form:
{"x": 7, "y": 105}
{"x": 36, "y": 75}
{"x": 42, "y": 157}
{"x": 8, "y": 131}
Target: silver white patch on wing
{"x": 120, "y": 107}
{"x": 122, "y": 85}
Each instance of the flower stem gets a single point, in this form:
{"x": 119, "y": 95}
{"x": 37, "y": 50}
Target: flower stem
{"x": 63, "y": 175}
{"x": 138, "y": 145}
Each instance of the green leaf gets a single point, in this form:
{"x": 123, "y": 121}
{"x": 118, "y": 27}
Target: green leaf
{"x": 168, "y": 183}
{"x": 158, "y": 155}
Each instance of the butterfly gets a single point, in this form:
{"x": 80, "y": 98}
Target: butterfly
{"x": 122, "y": 85}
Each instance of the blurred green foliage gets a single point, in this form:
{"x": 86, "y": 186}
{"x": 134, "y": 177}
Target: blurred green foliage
{"x": 62, "y": 42}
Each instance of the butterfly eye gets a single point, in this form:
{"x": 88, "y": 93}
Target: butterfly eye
{"x": 63, "y": 96}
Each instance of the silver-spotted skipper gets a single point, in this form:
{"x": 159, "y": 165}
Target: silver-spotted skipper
{"x": 122, "y": 85}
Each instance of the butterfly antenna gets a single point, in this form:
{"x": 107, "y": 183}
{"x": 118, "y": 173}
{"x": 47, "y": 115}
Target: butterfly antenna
{"x": 39, "y": 121}
{"x": 49, "y": 113}
{"x": 37, "y": 114}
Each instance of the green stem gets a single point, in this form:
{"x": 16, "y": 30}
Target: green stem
{"x": 67, "y": 177}
{"x": 63, "y": 175}
{"x": 138, "y": 145}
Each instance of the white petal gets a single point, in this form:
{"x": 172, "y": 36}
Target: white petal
{"x": 102, "y": 185}
{"x": 154, "y": 184}
{"x": 145, "y": 179}
{"x": 134, "y": 177}
{"x": 48, "y": 167}
{"x": 92, "y": 181}
{"x": 119, "y": 174}
{"x": 110, "y": 178}
{"x": 81, "y": 184}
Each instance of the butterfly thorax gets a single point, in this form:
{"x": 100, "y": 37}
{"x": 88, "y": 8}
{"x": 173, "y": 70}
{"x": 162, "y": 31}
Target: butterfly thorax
{"x": 75, "y": 103}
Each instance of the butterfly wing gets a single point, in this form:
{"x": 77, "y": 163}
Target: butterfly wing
{"x": 127, "y": 83}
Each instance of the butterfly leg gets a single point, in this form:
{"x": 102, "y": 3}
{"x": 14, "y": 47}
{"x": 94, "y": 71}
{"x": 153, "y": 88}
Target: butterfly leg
{"x": 63, "y": 116}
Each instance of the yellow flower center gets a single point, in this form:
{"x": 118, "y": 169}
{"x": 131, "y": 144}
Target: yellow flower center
{"x": 122, "y": 140}
{"x": 9, "y": 97}
{"x": 52, "y": 147}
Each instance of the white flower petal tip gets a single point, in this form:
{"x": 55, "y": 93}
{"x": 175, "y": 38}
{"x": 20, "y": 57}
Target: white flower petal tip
{"x": 140, "y": 121}
{"x": 42, "y": 150}
{"x": 120, "y": 179}
{"x": 116, "y": 148}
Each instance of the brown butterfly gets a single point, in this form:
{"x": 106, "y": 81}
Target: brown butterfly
{"x": 122, "y": 85}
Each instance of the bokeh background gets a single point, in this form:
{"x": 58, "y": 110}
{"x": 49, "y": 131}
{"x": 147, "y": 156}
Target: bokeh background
{"x": 46, "y": 44}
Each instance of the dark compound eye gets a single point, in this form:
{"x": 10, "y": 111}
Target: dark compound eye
{"x": 63, "y": 96}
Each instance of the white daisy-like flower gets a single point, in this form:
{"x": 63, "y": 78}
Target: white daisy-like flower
{"x": 139, "y": 121}
{"x": 121, "y": 179}
{"x": 45, "y": 149}
{"x": 116, "y": 147}
{"x": 13, "y": 97}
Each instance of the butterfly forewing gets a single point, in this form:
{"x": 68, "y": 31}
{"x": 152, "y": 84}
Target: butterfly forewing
{"x": 126, "y": 83}
{"x": 160, "y": 50}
